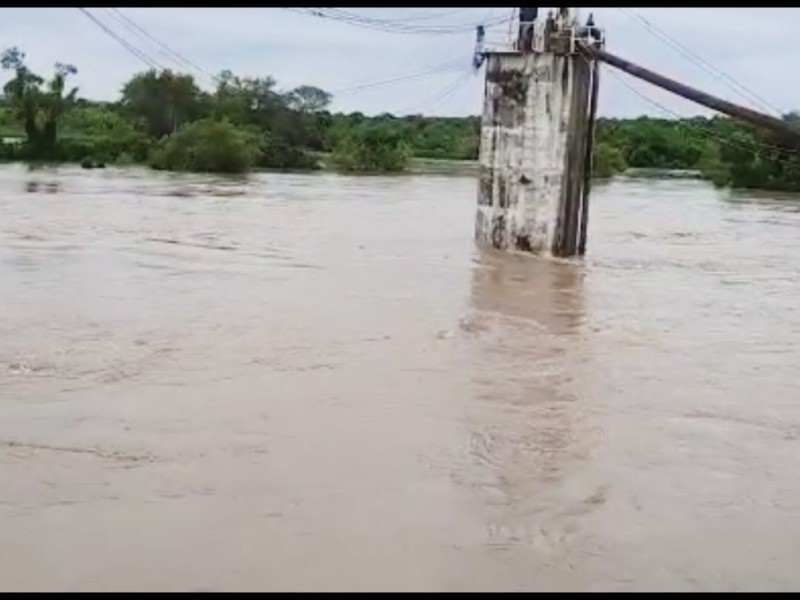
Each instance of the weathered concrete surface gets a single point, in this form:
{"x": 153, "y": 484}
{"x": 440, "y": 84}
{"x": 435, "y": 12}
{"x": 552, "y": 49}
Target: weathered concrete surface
{"x": 532, "y": 156}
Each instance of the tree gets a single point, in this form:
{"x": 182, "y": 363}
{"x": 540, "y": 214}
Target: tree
{"x": 22, "y": 91}
{"x": 309, "y": 99}
{"x": 55, "y": 104}
{"x": 38, "y": 109}
{"x": 229, "y": 98}
{"x": 163, "y": 101}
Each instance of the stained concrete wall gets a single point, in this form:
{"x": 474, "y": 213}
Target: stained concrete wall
{"x": 533, "y": 141}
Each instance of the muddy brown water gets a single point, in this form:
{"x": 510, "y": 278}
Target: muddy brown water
{"x": 317, "y": 382}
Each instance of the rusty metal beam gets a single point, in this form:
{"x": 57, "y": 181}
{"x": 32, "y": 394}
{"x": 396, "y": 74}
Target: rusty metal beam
{"x": 741, "y": 113}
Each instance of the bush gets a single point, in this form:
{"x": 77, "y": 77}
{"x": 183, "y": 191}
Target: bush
{"x": 372, "y": 149}
{"x": 208, "y": 146}
{"x": 712, "y": 167}
{"x": 608, "y": 161}
{"x": 277, "y": 154}
{"x": 99, "y": 134}
{"x": 10, "y": 152}
{"x": 88, "y": 163}
{"x": 101, "y": 148}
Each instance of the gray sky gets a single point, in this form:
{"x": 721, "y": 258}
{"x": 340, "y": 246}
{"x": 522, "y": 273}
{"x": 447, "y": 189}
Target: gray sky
{"x": 756, "y": 47}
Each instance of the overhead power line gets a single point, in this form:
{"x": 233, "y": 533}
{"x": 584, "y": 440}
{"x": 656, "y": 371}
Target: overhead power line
{"x": 183, "y": 63}
{"x": 426, "y": 17}
{"x": 746, "y": 93}
{"x": 443, "y": 94}
{"x": 381, "y": 82}
{"x": 393, "y": 27}
{"x": 150, "y": 62}
{"x": 176, "y": 57}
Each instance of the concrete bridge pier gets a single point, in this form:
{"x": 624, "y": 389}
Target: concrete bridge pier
{"x": 536, "y": 141}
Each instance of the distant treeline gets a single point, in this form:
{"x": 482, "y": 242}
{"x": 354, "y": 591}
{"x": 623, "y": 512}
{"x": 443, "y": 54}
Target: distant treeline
{"x": 165, "y": 120}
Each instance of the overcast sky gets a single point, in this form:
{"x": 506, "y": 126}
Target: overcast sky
{"x": 756, "y": 47}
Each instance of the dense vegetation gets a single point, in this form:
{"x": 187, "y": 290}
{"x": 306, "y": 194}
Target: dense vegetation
{"x": 723, "y": 151}
{"x": 372, "y": 148}
{"x": 165, "y": 120}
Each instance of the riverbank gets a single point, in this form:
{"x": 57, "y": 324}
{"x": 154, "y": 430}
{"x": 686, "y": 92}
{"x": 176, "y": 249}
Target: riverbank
{"x": 432, "y": 166}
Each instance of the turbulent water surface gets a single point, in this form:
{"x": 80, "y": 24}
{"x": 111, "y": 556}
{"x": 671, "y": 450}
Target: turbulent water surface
{"x": 315, "y": 382}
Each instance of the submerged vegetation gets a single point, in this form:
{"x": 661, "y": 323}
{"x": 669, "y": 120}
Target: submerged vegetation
{"x": 165, "y": 120}
{"x": 372, "y": 148}
{"x": 207, "y": 145}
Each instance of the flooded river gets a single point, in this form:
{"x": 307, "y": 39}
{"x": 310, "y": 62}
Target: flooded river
{"x": 317, "y": 382}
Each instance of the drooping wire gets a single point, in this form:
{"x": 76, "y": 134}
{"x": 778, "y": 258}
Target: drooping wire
{"x": 442, "y": 95}
{"x": 389, "y": 27}
{"x": 173, "y": 55}
{"x": 183, "y": 62}
{"x": 381, "y": 82}
{"x": 149, "y": 61}
{"x": 354, "y": 17}
{"x": 700, "y": 62}
{"x": 425, "y": 17}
